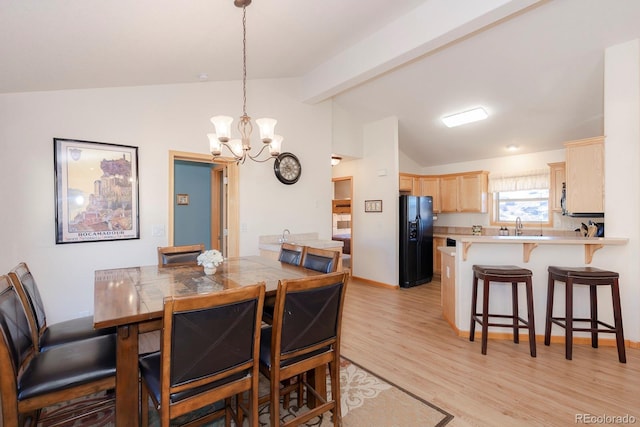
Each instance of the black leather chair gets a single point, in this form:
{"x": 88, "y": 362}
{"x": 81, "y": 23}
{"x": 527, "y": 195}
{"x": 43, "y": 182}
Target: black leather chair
{"x": 30, "y": 381}
{"x": 322, "y": 260}
{"x": 305, "y": 336}
{"x": 175, "y": 256}
{"x": 291, "y": 254}
{"x": 208, "y": 353}
{"x": 48, "y": 336}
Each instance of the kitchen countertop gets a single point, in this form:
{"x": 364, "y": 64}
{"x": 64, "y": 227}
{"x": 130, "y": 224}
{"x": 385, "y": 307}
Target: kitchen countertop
{"x": 272, "y": 242}
{"x": 529, "y": 243}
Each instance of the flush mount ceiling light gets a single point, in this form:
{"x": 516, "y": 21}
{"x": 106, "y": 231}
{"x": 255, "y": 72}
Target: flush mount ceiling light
{"x": 465, "y": 117}
{"x": 335, "y": 160}
{"x": 240, "y": 148}
{"x": 512, "y": 147}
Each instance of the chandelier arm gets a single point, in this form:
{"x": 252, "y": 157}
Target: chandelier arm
{"x": 255, "y": 158}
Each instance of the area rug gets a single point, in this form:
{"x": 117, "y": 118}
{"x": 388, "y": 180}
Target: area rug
{"x": 366, "y": 400}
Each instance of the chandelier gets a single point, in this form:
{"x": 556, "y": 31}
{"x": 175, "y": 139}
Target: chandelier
{"x": 241, "y": 148}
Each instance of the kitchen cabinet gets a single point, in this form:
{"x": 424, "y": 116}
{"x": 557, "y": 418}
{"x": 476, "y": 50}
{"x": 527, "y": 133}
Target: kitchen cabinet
{"x": 437, "y": 260}
{"x": 466, "y": 192}
{"x": 409, "y": 184}
{"x": 557, "y": 178}
{"x": 430, "y": 186}
{"x": 448, "y": 287}
{"x": 585, "y": 175}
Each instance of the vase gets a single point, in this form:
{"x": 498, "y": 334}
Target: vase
{"x": 210, "y": 270}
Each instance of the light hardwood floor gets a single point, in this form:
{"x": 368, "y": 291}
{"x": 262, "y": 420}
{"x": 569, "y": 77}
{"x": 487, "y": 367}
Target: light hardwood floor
{"x": 401, "y": 336}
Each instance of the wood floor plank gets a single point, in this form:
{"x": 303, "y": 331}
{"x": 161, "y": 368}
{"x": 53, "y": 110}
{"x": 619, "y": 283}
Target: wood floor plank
{"x": 401, "y": 336}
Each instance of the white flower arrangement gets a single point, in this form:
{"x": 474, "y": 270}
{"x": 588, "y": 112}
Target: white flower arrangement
{"x": 210, "y": 259}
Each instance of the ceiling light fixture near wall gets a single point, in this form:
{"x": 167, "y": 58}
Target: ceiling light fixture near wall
{"x": 512, "y": 147}
{"x": 240, "y": 148}
{"x": 335, "y": 160}
{"x": 465, "y": 117}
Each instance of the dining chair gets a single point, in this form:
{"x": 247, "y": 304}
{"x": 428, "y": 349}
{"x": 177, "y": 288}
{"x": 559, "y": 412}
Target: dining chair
{"x": 305, "y": 336}
{"x": 174, "y": 256}
{"x": 323, "y": 260}
{"x": 30, "y": 381}
{"x": 291, "y": 253}
{"x": 209, "y": 352}
{"x": 47, "y": 336}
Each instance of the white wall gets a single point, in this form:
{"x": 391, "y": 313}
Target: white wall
{"x": 375, "y": 177}
{"x": 156, "y": 119}
{"x": 622, "y": 157}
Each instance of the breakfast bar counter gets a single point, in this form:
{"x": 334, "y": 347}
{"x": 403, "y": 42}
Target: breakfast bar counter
{"x": 535, "y": 253}
{"x": 529, "y": 243}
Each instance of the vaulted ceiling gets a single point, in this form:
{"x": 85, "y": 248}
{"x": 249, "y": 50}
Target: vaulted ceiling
{"x": 536, "y": 66}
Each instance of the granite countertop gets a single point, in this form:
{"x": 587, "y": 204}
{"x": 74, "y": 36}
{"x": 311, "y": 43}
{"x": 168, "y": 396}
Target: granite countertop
{"x": 272, "y": 243}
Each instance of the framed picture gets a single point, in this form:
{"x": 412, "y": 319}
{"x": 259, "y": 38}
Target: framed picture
{"x": 182, "y": 199}
{"x": 96, "y": 191}
{"x": 373, "y": 205}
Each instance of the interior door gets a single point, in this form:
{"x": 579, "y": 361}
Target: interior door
{"x": 224, "y": 178}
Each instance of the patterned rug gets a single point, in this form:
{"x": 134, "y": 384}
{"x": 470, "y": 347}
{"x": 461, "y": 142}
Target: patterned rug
{"x": 366, "y": 400}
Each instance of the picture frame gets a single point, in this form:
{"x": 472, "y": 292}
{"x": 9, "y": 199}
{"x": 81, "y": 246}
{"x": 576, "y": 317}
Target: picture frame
{"x": 373, "y": 205}
{"x": 182, "y": 199}
{"x": 96, "y": 191}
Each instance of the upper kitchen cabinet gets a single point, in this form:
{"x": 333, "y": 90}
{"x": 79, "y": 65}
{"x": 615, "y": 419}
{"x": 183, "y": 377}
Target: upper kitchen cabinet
{"x": 430, "y": 186}
{"x": 585, "y": 176}
{"x": 409, "y": 184}
{"x": 465, "y": 192}
{"x": 557, "y": 178}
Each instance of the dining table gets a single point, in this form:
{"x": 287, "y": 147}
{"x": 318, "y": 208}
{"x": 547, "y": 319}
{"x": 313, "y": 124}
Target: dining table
{"x": 131, "y": 300}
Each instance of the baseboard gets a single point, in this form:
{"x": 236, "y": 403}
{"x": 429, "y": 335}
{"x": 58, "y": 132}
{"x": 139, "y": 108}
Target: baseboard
{"x": 555, "y": 339}
{"x": 374, "y": 283}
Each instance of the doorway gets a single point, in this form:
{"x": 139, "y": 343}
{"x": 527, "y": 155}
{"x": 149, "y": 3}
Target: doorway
{"x": 221, "y": 208}
{"x": 342, "y": 225}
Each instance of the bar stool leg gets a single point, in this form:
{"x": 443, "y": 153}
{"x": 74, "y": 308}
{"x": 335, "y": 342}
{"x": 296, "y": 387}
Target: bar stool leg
{"x": 617, "y": 316}
{"x": 547, "y": 325}
{"x": 485, "y": 314}
{"x": 568, "y": 318}
{"x": 515, "y": 311}
{"x": 593, "y": 290}
{"x": 474, "y": 304}
{"x": 530, "y": 318}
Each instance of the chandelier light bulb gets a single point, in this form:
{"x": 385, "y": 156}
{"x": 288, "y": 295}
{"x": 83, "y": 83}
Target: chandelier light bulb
{"x": 267, "y": 129}
{"x": 275, "y": 145}
{"x": 223, "y": 127}
{"x": 215, "y": 146}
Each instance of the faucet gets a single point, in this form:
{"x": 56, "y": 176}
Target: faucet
{"x": 518, "y": 227}
{"x": 283, "y": 238}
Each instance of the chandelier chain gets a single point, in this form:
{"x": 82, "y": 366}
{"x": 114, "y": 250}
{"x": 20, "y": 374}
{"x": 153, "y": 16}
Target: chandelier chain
{"x": 244, "y": 60}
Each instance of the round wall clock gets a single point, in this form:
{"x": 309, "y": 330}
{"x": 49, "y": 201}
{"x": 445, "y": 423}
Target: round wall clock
{"x": 287, "y": 168}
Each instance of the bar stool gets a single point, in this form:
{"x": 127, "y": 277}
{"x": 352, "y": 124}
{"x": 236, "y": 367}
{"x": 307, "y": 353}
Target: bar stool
{"x": 502, "y": 274}
{"x": 592, "y": 277}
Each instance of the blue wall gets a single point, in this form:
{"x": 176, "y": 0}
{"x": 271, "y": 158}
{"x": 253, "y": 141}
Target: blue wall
{"x": 192, "y": 222}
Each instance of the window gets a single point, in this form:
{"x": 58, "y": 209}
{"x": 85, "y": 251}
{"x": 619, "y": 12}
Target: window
{"x": 532, "y": 206}
{"x": 524, "y": 194}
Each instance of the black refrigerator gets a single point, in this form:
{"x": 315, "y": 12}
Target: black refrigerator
{"x": 416, "y": 240}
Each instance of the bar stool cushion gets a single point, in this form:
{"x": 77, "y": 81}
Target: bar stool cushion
{"x": 501, "y": 270}
{"x": 583, "y": 272}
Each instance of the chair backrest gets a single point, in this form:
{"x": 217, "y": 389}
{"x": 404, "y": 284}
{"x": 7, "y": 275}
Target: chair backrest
{"x": 323, "y": 260}
{"x": 208, "y": 338}
{"x": 291, "y": 254}
{"x": 174, "y": 256}
{"x": 307, "y": 316}
{"x": 27, "y": 289}
{"x": 16, "y": 346}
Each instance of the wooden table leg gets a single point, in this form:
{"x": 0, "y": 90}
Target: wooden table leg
{"x": 127, "y": 413}
{"x": 317, "y": 378}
